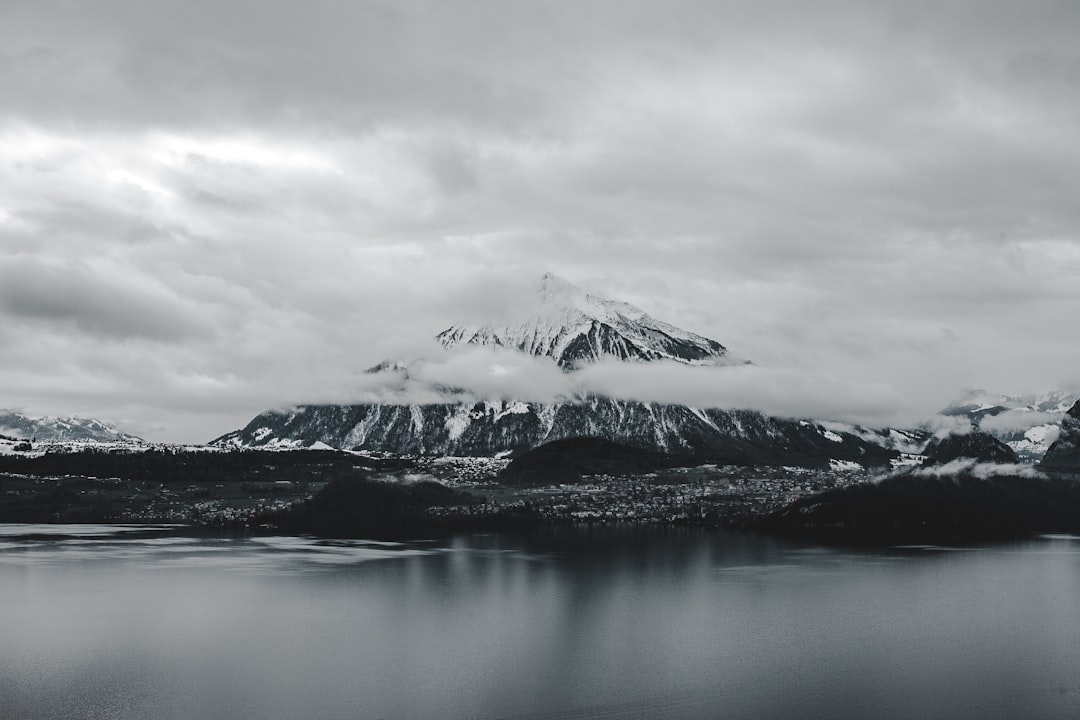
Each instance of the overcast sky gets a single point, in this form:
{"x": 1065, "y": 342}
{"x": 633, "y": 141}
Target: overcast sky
{"x": 209, "y": 209}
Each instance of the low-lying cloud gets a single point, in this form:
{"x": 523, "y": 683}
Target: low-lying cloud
{"x": 944, "y": 425}
{"x": 974, "y": 468}
{"x": 484, "y": 373}
{"x": 1018, "y": 420}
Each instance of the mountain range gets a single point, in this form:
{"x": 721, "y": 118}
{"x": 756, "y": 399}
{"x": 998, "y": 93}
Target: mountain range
{"x": 573, "y": 328}
{"x": 1028, "y": 424}
{"x": 18, "y": 426}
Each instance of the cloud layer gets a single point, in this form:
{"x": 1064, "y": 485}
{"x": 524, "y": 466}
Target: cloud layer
{"x": 483, "y": 373}
{"x": 204, "y": 213}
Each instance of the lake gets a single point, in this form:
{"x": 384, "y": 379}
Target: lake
{"x": 606, "y": 622}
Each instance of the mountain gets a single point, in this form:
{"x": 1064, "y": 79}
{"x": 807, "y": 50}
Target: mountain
{"x": 1026, "y": 423}
{"x": 1064, "y": 454}
{"x": 566, "y": 461}
{"x": 369, "y": 508}
{"x": 60, "y": 429}
{"x": 574, "y": 327}
{"x": 978, "y": 403}
{"x": 508, "y": 427}
{"x": 908, "y": 443}
{"x": 979, "y": 446}
{"x": 918, "y": 508}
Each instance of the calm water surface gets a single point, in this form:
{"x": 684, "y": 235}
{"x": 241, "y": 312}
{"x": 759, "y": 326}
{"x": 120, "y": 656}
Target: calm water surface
{"x": 101, "y": 622}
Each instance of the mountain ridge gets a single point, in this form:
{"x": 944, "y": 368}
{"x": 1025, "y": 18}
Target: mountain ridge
{"x": 48, "y": 429}
{"x": 498, "y": 428}
{"x": 1028, "y": 424}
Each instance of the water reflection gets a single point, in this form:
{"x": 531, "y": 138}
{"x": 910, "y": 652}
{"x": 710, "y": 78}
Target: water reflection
{"x": 602, "y": 622}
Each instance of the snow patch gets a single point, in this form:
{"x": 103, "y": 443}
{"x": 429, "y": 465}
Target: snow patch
{"x": 513, "y": 408}
{"x": 907, "y": 460}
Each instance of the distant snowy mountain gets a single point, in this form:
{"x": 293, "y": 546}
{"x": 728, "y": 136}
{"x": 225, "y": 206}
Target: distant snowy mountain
{"x": 573, "y": 327}
{"x": 60, "y": 429}
{"x": 978, "y": 403}
{"x": 1028, "y": 424}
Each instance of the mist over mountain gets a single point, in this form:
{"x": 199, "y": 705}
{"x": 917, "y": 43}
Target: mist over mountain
{"x": 569, "y": 342}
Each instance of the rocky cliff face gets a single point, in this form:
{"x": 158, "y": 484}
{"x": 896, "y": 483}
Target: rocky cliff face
{"x": 494, "y": 428}
{"x": 1064, "y": 454}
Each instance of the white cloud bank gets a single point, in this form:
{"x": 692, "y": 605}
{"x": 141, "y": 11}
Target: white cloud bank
{"x": 490, "y": 373}
{"x": 1018, "y": 420}
{"x": 982, "y": 471}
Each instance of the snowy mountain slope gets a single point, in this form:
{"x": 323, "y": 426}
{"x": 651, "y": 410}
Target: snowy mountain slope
{"x": 908, "y": 444}
{"x": 60, "y": 429}
{"x": 495, "y": 428}
{"x": 10, "y": 445}
{"x": 573, "y": 327}
{"x": 1028, "y": 424}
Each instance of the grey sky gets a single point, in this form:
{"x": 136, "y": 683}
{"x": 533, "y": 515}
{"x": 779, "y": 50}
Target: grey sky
{"x": 209, "y": 209}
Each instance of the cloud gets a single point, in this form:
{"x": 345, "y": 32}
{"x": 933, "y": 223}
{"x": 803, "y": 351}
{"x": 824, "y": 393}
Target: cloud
{"x": 96, "y": 299}
{"x": 774, "y": 391}
{"x": 982, "y": 471}
{"x": 483, "y": 373}
{"x": 1017, "y": 420}
{"x": 944, "y": 425}
{"x": 471, "y": 373}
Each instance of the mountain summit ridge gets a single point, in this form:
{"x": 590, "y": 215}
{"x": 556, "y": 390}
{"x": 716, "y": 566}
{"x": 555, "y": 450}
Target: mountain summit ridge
{"x": 574, "y": 327}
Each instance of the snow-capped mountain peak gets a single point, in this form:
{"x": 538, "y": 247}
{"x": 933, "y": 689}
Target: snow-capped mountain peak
{"x": 575, "y": 327}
